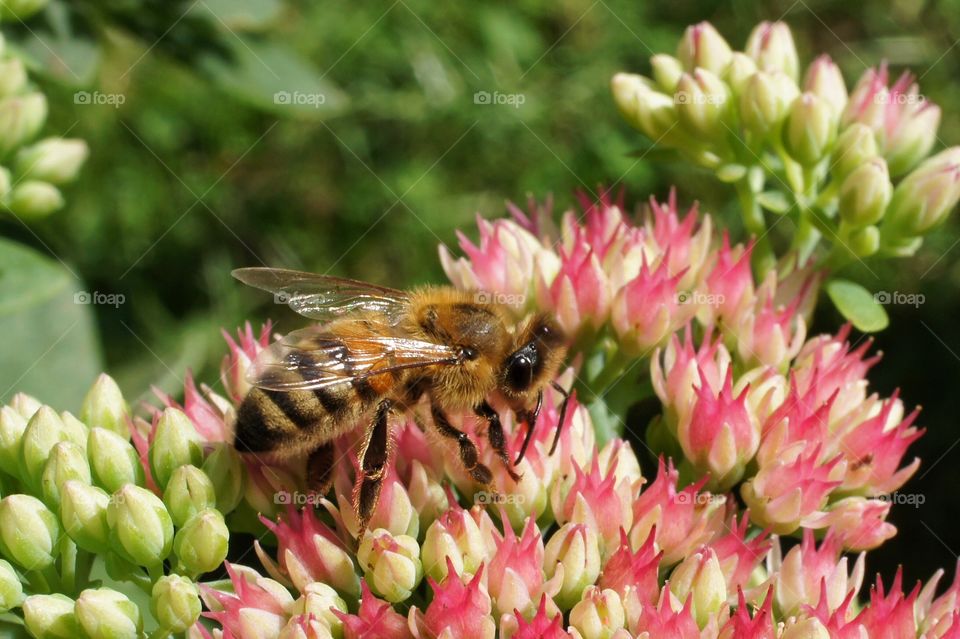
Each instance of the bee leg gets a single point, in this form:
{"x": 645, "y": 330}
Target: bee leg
{"x": 530, "y": 419}
{"x": 495, "y": 436}
{"x": 468, "y": 452}
{"x": 563, "y": 414}
{"x": 373, "y": 464}
{"x": 320, "y": 465}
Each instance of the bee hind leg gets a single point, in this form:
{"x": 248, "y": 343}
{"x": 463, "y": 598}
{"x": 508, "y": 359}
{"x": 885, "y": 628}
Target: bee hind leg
{"x": 495, "y": 436}
{"x": 468, "y": 451}
{"x": 373, "y": 464}
{"x": 320, "y": 465}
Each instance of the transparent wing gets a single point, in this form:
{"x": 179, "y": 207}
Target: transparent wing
{"x": 323, "y": 297}
{"x": 315, "y": 357}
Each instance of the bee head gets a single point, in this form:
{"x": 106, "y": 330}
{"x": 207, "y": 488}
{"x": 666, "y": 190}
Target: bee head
{"x": 537, "y": 354}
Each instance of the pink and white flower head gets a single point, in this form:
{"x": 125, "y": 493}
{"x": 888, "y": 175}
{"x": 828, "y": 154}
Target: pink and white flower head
{"x": 904, "y": 121}
{"x": 376, "y": 619}
{"x": 729, "y": 285}
{"x": 770, "y": 334}
{"x": 581, "y": 292}
{"x": 840, "y": 622}
{"x": 890, "y": 615}
{"x": 649, "y": 308}
{"x": 456, "y": 538}
{"x": 721, "y": 434}
{"x": 597, "y": 499}
{"x": 634, "y": 575}
{"x": 683, "y": 245}
{"x": 239, "y": 360}
{"x": 786, "y": 494}
{"x": 310, "y": 551}
{"x": 458, "y": 610}
{"x": 859, "y": 523}
{"x": 740, "y": 554}
{"x": 515, "y": 579}
{"x": 940, "y": 617}
{"x": 258, "y": 607}
{"x": 742, "y": 626}
{"x": 797, "y": 423}
{"x": 875, "y": 447}
{"x": 808, "y": 571}
{"x": 681, "y": 520}
{"x": 507, "y": 263}
{"x": 677, "y": 370}
{"x": 663, "y": 620}
{"x": 542, "y": 625}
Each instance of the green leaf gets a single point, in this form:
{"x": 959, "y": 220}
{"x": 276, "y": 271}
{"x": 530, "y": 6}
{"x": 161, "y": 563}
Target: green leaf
{"x": 775, "y": 201}
{"x": 50, "y": 346}
{"x": 271, "y": 76}
{"x": 56, "y": 48}
{"x": 858, "y": 305}
{"x": 241, "y": 15}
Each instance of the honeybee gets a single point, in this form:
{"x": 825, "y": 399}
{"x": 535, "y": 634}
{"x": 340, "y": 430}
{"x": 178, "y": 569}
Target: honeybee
{"x": 375, "y": 353}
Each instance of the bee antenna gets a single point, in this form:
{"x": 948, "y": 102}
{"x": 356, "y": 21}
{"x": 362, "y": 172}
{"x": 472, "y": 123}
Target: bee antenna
{"x": 563, "y": 414}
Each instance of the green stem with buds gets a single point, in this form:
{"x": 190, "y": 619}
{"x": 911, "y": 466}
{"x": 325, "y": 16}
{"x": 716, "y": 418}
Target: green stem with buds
{"x": 763, "y": 256}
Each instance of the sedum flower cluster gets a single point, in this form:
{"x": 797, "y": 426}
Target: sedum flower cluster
{"x": 847, "y": 167}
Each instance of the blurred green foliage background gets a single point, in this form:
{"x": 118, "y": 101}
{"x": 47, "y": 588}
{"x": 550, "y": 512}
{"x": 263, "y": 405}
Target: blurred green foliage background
{"x": 199, "y": 170}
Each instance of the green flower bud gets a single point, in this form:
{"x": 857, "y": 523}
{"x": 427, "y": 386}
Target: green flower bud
{"x": 51, "y": 617}
{"x": 855, "y": 146}
{"x": 811, "y": 129}
{"x": 317, "y": 600}
{"x": 67, "y": 461}
{"x": 12, "y": 425}
{"x": 29, "y": 532}
{"x": 739, "y": 71}
{"x": 18, "y": 10}
{"x": 701, "y": 577}
{"x": 225, "y": 469}
{"x": 105, "y": 407}
{"x": 25, "y": 404}
{"x": 701, "y": 101}
{"x": 771, "y": 46}
{"x": 201, "y": 545}
{"x": 647, "y": 110}
{"x": 574, "y": 549}
{"x": 104, "y": 613}
{"x": 913, "y": 138}
{"x": 140, "y": 525}
{"x": 865, "y": 194}
{"x": 33, "y": 199}
{"x": 83, "y": 512}
{"x": 766, "y": 100}
{"x": 11, "y": 590}
{"x": 865, "y": 242}
{"x": 703, "y": 47}
{"x": 175, "y": 443}
{"x": 44, "y": 431}
{"x": 188, "y": 492}
{"x": 74, "y": 430}
{"x": 54, "y": 160}
{"x": 825, "y": 80}
{"x": 13, "y": 76}
{"x": 21, "y": 117}
{"x": 599, "y": 614}
{"x": 391, "y": 564}
{"x": 666, "y": 71}
{"x": 175, "y": 603}
{"x": 113, "y": 460}
{"x": 925, "y": 197}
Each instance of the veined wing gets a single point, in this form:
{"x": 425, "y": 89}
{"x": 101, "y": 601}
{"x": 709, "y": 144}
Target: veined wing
{"x": 315, "y": 357}
{"x": 324, "y": 297}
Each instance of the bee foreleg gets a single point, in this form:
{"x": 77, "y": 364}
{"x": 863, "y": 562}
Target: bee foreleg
{"x": 495, "y": 436}
{"x": 530, "y": 419}
{"x": 373, "y": 464}
{"x": 468, "y": 451}
{"x": 320, "y": 465}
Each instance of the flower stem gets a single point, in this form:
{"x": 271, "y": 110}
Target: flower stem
{"x": 756, "y": 225}
{"x": 68, "y": 565}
